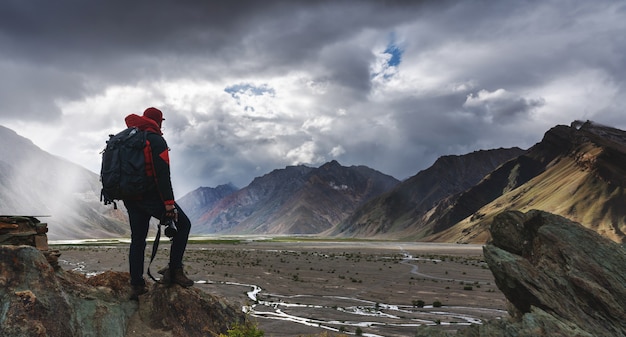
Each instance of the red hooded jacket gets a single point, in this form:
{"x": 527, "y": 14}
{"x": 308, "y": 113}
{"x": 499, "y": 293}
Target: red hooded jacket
{"x": 157, "y": 155}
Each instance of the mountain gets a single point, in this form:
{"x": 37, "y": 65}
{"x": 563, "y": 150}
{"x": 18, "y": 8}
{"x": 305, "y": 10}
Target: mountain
{"x": 294, "y": 200}
{"x": 197, "y": 201}
{"x": 399, "y": 212}
{"x": 576, "y": 171}
{"x": 34, "y": 182}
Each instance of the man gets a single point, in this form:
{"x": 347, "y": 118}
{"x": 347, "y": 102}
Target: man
{"x": 158, "y": 203}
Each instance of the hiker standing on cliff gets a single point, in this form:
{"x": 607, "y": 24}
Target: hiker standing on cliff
{"x": 158, "y": 203}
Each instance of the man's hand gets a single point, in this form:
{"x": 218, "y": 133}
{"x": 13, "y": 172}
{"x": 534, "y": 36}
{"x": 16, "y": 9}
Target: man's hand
{"x": 171, "y": 212}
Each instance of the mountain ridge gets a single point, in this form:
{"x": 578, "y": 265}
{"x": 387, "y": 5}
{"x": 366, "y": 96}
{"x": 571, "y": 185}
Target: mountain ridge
{"x": 294, "y": 200}
{"x": 578, "y": 176}
{"x": 194, "y": 202}
{"x": 393, "y": 214}
{"x": 575, "y": 171}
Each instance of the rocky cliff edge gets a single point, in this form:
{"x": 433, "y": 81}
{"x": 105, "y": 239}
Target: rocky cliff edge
{"x": 37, "y": 299}
{"x": 561, "y": 278}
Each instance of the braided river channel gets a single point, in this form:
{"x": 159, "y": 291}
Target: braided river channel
{"x": 307, "y": 287}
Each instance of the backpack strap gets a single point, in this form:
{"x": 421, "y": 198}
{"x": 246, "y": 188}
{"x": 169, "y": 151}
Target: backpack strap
{"x": 106, "y": 200}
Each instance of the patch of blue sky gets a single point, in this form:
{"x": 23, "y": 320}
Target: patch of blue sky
{"x": 249, "y": 90}
{"x": 386, "y": 65}
{"x": 396, "y": 55}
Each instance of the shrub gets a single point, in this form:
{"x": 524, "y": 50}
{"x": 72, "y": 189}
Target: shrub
{"x": 244, "y": 330}
{"x": 419, "y": 303}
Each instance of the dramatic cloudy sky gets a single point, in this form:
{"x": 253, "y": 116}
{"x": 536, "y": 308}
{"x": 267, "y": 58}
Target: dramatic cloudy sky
{"x": 251, "y": 86}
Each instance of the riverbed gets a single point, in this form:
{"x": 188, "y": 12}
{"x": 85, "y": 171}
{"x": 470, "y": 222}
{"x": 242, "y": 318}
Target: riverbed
{"x": 305, "y": 287}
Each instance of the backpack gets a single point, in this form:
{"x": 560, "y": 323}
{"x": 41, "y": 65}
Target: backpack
{"x": 123, "y": 173}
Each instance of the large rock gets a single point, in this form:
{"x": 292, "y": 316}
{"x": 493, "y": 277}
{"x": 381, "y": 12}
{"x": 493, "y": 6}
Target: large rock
{"x": 37, "y": 300}
{"x": 561, "y": 278}
{"x": 184, "y": 312}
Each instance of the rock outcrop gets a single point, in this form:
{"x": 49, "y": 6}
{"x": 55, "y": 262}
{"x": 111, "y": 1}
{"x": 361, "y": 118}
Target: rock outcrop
{"x": 555, "y": 271}
{"x": 39, "y": 300}
{"x": 560, "y": 278}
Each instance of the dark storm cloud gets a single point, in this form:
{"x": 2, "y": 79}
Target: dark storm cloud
{"x": 250, "y": 86}
{"x": 66, "y": 31}
{"x": 527, "y": 43}
{"x": 500, "y": 106}
{"x": 92, "y": 44}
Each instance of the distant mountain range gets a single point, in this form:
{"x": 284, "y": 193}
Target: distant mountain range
{"x": 407, "y": 211}
{"x": 577, "y": 171}
{"x": 293, "y": 200}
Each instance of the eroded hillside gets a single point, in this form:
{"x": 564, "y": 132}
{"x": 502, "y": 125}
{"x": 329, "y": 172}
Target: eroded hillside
{"x": 581, "y": 177}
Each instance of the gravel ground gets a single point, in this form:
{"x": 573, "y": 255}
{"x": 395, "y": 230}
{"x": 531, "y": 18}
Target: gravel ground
{"x": 310, "y": 287}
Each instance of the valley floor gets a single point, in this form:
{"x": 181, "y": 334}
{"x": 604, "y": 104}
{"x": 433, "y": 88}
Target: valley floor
{"x": 304, "y": 287}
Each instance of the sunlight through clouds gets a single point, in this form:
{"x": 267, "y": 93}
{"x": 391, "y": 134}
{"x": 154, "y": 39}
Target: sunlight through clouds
{"x": 250, "y": 87}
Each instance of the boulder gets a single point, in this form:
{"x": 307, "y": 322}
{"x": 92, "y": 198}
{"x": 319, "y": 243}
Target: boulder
{"x": 39, "y": 300}
{"x": 560, "y": 279}
{"x": 184, "y": 312}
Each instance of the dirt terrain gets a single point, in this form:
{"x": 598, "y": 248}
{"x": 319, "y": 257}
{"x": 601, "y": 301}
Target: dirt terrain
{"x": 305, "y": 287}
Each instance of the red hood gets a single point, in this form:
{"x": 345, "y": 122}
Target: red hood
{"x": 143, "y": 123}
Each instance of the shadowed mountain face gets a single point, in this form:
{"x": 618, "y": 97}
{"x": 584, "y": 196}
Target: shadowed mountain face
{"x": 294, "y": 200}
{"x": 578, "y": 172}
{"x": 401, "y": 211}
{"x": 34, "y": 182}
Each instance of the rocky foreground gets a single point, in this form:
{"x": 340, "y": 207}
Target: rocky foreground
{"x": 40, "y": 300}
{"x": 560, "y": 278}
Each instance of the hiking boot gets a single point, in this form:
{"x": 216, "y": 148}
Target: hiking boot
{"x": 137, "y": 290}
{"x": 165, "y": 279}
{"x": 178, "y": 276}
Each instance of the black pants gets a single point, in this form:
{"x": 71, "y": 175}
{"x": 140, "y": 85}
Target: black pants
{"x": 139, "y": 214}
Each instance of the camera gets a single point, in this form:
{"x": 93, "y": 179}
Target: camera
{"x": 169, "y": 219}
{"x": 170, "y": 228}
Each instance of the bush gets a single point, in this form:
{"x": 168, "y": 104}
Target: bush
{"x": 244, "y": 330}
{"x": 419, "y": 303}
